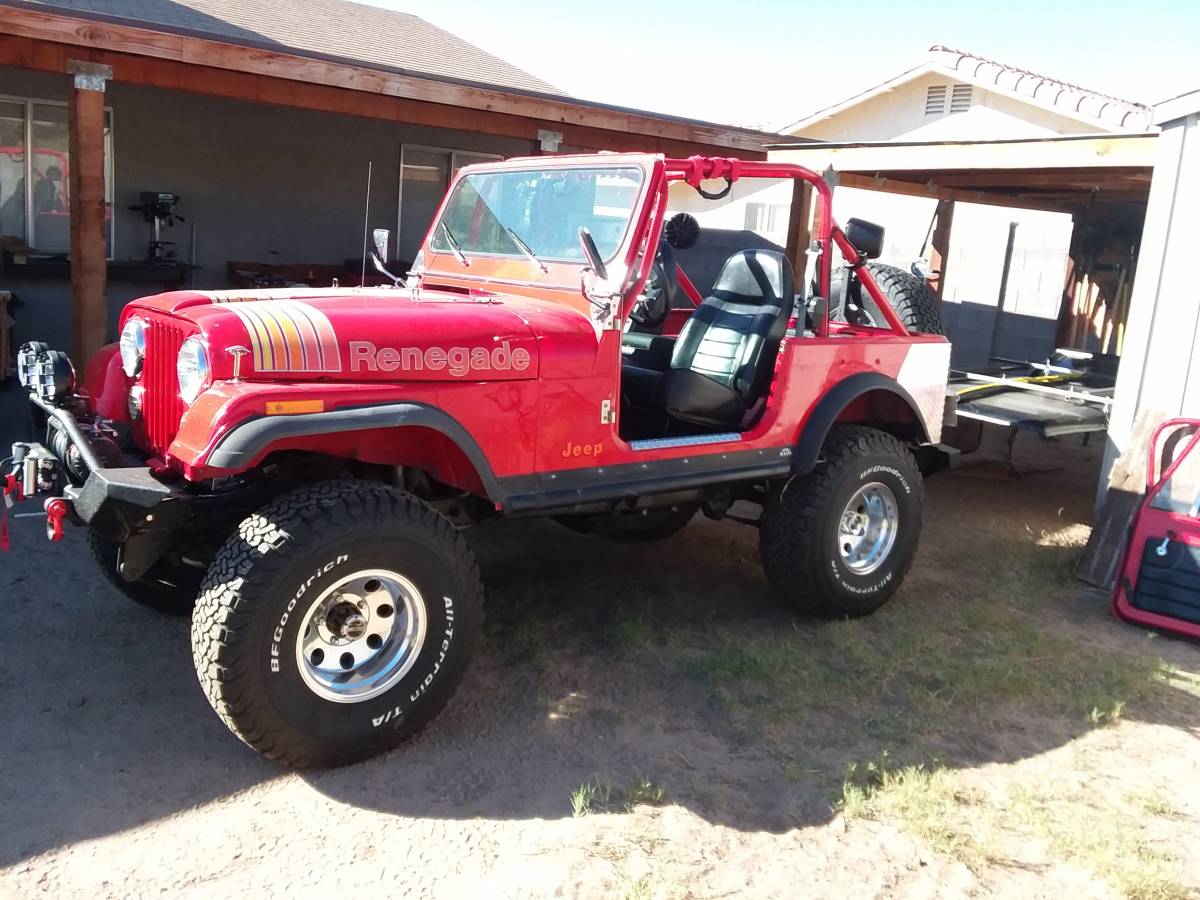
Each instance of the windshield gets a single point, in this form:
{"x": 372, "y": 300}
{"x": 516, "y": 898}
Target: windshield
{"x": 493, "y": 212}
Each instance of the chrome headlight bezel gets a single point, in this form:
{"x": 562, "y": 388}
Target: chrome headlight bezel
{"x": 193, "y": 369}
{"x": 133, "y": 347}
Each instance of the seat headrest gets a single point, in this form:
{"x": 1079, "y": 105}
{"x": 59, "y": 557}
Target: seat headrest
{"x": 764, "y": 276}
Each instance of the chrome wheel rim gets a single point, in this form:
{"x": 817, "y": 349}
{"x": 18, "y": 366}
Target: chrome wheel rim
{"x": 361, "y": 636}
{"x": 868, "y": 527}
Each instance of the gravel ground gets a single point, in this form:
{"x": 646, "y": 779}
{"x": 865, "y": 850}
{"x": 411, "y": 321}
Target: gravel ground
{"x": 120, "y": 781}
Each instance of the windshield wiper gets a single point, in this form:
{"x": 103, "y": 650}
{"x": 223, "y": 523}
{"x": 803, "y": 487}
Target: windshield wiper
{"x": 455, "y": 248}
{"x": 524, "y": 248}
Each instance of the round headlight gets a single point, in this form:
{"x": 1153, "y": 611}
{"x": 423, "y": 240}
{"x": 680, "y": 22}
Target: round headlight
{"x": 133, "y": 347}
{"x": 192, "y": 368}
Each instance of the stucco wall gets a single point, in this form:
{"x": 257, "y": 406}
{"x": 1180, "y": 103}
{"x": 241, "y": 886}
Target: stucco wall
{"x": 258, "y": 182}
{"x": 900, "y": 115}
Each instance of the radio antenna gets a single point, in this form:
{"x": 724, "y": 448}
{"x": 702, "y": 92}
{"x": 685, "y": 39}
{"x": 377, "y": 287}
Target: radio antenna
{"x": 362, "y": 282}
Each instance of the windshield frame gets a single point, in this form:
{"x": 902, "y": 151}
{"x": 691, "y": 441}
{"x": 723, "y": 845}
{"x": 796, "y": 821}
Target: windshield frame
{"x": 616, "y": 163}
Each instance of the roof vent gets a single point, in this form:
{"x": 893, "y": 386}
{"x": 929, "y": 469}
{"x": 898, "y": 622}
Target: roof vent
{"x": 935, "y": 100}
{"x": 960, "y": 98}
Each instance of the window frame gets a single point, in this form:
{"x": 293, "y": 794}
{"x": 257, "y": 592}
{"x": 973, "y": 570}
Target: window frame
{"x": 454, "y": 167}
{"x": 109, "y": 170}
{"x": 517, "y": 254}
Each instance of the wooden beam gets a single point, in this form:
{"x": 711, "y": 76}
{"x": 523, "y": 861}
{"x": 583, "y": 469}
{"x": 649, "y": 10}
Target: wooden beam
{"x": 939, "y": 245}
{"x": 799, "y": 234}
{"x": 910, "y": 189}
{"x": 1082, "y": 179}
{"x": 38, "y": 55}
{"x": 1109, "y": 151}
{"x": 85, "y": 123}
{"x": 277, "y": 63}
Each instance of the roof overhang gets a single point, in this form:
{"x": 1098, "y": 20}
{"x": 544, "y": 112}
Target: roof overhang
{"x": 1060, "y": 174}
{"x": 104, "y": 35}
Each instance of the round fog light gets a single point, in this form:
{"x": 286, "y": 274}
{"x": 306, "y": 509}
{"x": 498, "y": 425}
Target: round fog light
{"x": 136, "y": 394}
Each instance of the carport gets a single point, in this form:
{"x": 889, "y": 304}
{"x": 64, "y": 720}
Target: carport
{"x": 1102, "y": 181}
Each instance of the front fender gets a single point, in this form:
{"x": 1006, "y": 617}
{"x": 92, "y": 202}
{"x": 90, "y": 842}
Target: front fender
{"x": 105, "y": 383}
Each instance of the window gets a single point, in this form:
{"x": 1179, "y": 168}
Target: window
{"x": 767, "y": 219}
{"x": 545, "y": 209}
{"x": 35, "y": 169}
{"x": 960, "y": 98}
{"x": 425, "y": 173}
{"x": 935, "y": 100}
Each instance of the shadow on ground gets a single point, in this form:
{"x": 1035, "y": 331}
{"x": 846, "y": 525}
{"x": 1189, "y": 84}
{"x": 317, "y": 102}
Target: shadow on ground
{"x": 669, "y": 663}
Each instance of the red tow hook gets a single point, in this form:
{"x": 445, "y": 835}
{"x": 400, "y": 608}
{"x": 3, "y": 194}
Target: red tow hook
{"x": 56, "y": 511}
{"x": 12, "y": 492}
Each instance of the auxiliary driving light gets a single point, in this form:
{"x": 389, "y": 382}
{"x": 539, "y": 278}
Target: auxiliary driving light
{"x": 45, "y": 372}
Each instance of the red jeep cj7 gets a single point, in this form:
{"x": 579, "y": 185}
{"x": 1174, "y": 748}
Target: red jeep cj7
{"x": 294, "y": 463}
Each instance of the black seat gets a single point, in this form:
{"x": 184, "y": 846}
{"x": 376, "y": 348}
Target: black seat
{"x": 725, "y": 354}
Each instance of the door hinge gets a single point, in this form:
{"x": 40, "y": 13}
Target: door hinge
{"x": 608, "y": 415}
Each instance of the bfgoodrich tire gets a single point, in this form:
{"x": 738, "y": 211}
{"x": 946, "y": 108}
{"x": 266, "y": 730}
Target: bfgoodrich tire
{"x": 336, "y": 622}
{"x": 839, "y": 541}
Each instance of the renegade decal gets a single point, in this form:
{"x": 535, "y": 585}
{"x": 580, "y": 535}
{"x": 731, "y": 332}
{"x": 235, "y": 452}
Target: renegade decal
{"x": 458, "y": 361}
{"x": 289, "y": 336}
{"x": 923, "y": 375}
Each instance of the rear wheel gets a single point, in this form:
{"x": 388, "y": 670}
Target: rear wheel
{"x": 839, "y": 540}
{"x": 336, "y": 622}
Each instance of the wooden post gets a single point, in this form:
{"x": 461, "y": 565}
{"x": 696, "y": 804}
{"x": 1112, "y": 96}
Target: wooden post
{"x": 799, "y": 231}
{"x": 939, "y": 245}
{"x": 89, "y": 311}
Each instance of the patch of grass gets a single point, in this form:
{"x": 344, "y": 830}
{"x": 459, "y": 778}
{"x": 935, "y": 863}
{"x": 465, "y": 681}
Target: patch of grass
{"x": 1103, "y": 838}
{"x": 1087, "y": 831}
{"x": 599, "y": 796}
{"x": 1107, "y": 714}
{"x": 644, "y": 791}
{"x": 630, "y": 632}
{"x": 929, "y": 803}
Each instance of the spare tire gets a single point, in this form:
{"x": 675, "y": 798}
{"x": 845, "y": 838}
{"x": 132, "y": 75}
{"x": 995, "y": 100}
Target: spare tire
{"x": 910, "y": 298}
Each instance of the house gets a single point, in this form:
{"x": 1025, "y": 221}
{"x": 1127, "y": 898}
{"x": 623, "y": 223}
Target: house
{"x": 997, "y": 254}
{"x": 264, "y": 120}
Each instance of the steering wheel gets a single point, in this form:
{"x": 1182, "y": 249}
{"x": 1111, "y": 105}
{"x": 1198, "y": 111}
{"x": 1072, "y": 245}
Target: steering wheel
{"x": 654, "y": 305}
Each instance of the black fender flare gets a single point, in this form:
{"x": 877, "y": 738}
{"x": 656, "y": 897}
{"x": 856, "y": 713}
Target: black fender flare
{"x": 250, "y": 437}
{"x": 816, "y": 428}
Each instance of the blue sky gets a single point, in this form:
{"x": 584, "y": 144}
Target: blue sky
{"x": 768, "y": 63}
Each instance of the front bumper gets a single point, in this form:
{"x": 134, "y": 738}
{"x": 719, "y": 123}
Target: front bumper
{"x": 84, "y": 480}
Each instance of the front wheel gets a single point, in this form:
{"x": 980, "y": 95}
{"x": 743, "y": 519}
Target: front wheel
{"x": 336, "y": 622}
{"x": 839, "y": 540}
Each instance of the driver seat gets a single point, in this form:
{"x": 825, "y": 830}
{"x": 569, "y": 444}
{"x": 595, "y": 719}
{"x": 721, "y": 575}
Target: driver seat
{"x": 725, "y": 354}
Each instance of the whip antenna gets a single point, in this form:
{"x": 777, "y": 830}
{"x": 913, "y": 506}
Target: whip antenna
{"x": 362, "y": 282}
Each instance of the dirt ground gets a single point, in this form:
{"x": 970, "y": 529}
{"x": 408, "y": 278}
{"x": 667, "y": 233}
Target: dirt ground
{"x": 642, "y": 721}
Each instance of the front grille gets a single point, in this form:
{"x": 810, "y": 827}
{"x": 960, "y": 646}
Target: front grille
{"x": 162, "y": 407}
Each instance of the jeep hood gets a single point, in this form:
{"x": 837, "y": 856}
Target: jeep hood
{"x": 353, "y": 334}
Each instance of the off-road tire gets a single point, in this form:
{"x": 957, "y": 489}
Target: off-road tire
{"x": 253, "y": 601}
{"x": 633, "y": 528}
{"x": 909, "y": 296}
{"x": 170, "y": 592}
{"x": 798, "y": 531}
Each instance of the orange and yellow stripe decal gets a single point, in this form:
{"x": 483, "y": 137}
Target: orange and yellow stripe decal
{"x": 289, "y": 336}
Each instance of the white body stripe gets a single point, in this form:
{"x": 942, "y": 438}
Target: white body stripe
{"x": 923, "y": 374}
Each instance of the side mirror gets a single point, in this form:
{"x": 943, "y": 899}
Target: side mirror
{"x": 592, "y": 254}
{"x": 867, "y": 237}
{"x": 380, "y": 238}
